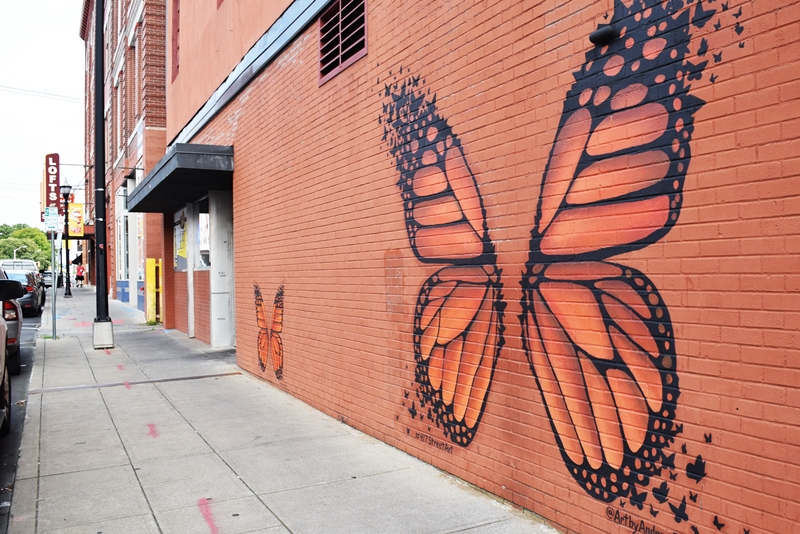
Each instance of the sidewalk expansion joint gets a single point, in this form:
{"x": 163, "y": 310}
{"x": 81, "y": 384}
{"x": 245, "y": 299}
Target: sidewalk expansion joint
{"x": 130, "y": 383}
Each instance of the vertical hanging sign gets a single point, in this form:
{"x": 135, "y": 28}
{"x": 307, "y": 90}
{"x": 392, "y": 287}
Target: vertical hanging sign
{"x": 75, "y": 219}
{"x": 52, "y": 183}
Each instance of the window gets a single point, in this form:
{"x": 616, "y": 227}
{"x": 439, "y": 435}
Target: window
{"x": 203, "y": 235}
{"x": 176, "y": 37}
{"x": 342, "y": 37}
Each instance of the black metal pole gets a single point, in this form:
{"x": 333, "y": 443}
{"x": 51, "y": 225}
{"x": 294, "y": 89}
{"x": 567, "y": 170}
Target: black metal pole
{"x": 67, "y": 292}
{"x": 100, "y": 167}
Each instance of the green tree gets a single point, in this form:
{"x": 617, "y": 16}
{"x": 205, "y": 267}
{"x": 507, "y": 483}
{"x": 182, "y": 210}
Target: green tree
{"x": 7, "y": 229}
{"x": 31, "y": 250}
{"x": 33, "y": 233}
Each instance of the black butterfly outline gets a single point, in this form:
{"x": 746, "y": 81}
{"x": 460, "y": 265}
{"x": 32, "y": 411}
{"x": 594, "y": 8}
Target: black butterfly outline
{"x": 696, "y": 470}
{"x": 718, "y": 523}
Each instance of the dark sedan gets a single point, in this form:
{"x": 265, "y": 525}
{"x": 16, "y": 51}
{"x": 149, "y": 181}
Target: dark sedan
{"x": 33, "y": 301}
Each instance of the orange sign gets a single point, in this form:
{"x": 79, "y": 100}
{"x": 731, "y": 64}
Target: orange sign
{"x": 75, "y": 220}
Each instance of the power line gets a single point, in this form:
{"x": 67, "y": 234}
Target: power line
{"x": 42, "y": 94}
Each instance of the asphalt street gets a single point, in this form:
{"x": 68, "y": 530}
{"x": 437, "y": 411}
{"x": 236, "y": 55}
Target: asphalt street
{"x": 10, "y": 444}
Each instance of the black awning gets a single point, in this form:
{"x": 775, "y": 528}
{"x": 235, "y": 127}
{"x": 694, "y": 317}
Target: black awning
{"x": 185, "y": 174}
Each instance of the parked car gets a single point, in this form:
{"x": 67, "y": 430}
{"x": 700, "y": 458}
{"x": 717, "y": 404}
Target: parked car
{"x": 47, "y": 278}
{"x": 12, "y": 314}
{"x": 9, "y": 290}
{"x": 33, "y": 301}
{"x": 23, "y": 265}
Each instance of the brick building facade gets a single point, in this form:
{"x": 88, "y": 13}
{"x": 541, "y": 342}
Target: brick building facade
{"x": 135, "y": 128}
{"x": 562, "y": 269}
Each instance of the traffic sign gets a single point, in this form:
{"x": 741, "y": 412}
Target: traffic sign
{"x": 51, "y": 218}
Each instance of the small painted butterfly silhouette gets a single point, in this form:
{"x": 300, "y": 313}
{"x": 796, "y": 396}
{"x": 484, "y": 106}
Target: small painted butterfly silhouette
{"x": 707, "y": 437}
{"x": 713, "y": 78}
{"x": 653, "y": 512}
{"x": 697, "y": 469}
{"x": 718, "y": 523}
{"x": 717, "y": 57}
{"x": 693, "y": 496}
{"x": 683, "y": 448}
{"x": 679, "y": 511}
{"x": 738, "y": 29}
{"x": 700, "y": 16}
{"x": 661, "y": 493}
{"x": 738, "y": 13}
{"x": 673, "y": 476}
{"x": 724, "y": 7}
{"x": 668, "y": 461}
{"x": 638, "y": 499}
{"x": 718, "y": 25}
{"x": 694, "y": 530}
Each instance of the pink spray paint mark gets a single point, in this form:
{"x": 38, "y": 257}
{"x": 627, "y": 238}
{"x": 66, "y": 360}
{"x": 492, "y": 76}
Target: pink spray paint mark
{"x": 151, "y": 430}
{"x": 108, "y": 351}
{"x": 205, "y": 511}
{"x": 121, "y": 367}
{"x": 127, "y": 385}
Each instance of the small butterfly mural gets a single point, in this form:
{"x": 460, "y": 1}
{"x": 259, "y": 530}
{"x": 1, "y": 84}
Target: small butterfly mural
{"x": 270, "y": 345}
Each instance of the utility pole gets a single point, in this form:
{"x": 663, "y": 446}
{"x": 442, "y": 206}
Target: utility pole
{"x": 103, "y": 328}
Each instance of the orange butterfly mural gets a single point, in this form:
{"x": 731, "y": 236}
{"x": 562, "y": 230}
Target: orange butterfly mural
{"x": 270, "y": 344}
{"x": 597, "y": 335}
{"x": 458, "y": 325}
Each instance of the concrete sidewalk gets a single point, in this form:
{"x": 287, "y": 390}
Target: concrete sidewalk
{"x": 163, "y": 434}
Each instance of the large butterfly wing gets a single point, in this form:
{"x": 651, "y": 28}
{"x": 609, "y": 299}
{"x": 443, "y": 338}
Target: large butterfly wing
{"x": 597, "y": 335}
{"x": 614, "y": 178}
{"x": 458, "y": 318}
{"x": 263, "y": 344}
{"x": 275, "y": 341}
{"x": 599, "y": 340}
{"x": 457, "y": 338}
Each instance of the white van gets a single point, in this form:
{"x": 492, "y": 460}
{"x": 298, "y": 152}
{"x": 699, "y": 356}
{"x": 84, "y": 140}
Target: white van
{"x": 19, "y": 265}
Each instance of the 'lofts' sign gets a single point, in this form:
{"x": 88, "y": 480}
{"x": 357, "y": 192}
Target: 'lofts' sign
{"x": 52, "y": 197}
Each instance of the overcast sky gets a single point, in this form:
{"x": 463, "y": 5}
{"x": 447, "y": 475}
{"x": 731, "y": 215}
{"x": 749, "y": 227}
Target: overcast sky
{"x": 41, "y": 101}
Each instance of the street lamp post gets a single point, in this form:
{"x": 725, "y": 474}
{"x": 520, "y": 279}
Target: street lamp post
{"x": 65, "y": 191}
{"x": 19, "y": 248}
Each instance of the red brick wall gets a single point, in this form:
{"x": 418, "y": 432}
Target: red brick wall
{"x": 721, "y": 285}
{"x": 180, "y": 303}
{"x": 202, "y": 306}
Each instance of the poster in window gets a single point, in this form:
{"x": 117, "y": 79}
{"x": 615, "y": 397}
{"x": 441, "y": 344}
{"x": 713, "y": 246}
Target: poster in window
{"x": 181, "y": 236}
